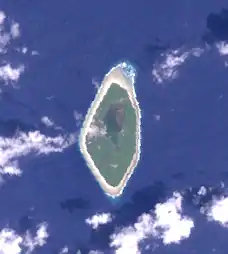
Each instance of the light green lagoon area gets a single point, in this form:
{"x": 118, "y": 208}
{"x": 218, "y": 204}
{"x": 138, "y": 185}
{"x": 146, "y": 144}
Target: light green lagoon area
{"x": 113, "y": 151}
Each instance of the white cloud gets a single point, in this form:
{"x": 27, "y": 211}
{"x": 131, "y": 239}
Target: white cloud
{"x": 78, "y": 118}
{"x": 96, "y": 129}
{"x": 64, "y": 250}
{"x": 4, "y": 37}
{"x": 2, "y": 17}
{"x": 8, "y": 73}
{"x": 10, "y": 30}
{"x": 96, "y": 83}
{"x": 166, "y": 222}
{"x": 7, "y": 36}
{"x": 99, "y": 219}
{"x": 170, "y": 225}
{"x": 128, "y": 239}
{"x": 41, "y": 234}
{"x": 222, "y": 48}
{"x": 11, "y": 149}
{"x": 31, "y": 243}
{"x": 15, "y": 30}
{"x": 11, "y": 169}
{"x": 12, "y": 243}
{"x": 168, "y": 68}
{"x": 94, "y": 252}
{"x": 24, "y": 50}
{"x": 47, "y": 121}
{"x": 217, "y": 211}
{"x": 34, "y": 53}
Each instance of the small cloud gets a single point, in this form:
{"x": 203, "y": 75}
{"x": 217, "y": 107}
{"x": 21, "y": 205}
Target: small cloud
{"x": 7, "y": 36}
{"x": 64, "y": 250}
{"x": 15, "y": 30}
{"x": 10, "y": 30}
{"x": 99, "y": 219}
{"x": 2, "y": 18}
{"x": 41, "y": 234}
{"x": 197, "y": 52}
{"x": 4, "y": 37}
{"x": 22, "y": 50}
{"x": 96, "y": 83}
{"x": 95, "y": 252}
{"x": 166, "y": 222}
{"x": 170, "y": 225}
{"x": 10, "y": 74}
{"x": 217, "y": 211}
{"x": 40, "y": 239}
{"x": 96, "y": 129}
{"x": 47, "y": 121}
{"x": 78, "y": 118}
{"x": 128, "y": 239}
{"x": 156, "y": 117}
{"x": 168, "y": 68}
{"x": 11, "y": 169}
{"x": 34, "y": 53}
{"x": 12, "y": 243}
{"x": 222, "y": 48}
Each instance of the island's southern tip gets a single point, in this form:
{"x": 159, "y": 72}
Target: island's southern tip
{"x": 110, "y": 137}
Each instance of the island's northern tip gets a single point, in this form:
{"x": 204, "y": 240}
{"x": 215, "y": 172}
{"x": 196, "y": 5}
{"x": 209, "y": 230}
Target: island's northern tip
{"x": 110, "y": 137}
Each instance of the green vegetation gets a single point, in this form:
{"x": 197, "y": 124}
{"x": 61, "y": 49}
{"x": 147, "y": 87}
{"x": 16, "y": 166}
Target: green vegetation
{"x": 112, "y": 151}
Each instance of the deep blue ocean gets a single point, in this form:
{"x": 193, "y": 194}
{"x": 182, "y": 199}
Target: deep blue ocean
{"x": 80, "y": 40}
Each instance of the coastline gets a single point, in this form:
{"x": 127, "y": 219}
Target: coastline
{"x": 119, "y": 76}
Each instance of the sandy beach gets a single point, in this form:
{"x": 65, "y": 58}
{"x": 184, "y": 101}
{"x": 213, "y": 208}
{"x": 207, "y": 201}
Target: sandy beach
{"x": 116, "y": 75}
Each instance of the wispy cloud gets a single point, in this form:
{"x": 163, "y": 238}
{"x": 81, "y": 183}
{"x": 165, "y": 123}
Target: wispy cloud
{"x": 22, "y": 144}
{"x": 78, "y": 118}
{"x": 167, "y": 68}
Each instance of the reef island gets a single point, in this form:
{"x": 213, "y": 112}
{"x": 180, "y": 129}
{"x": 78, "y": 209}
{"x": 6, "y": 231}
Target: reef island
{"x": 110, "y": 137}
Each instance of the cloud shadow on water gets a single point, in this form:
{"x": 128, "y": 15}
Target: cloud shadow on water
{"x": 217, "y": 25}
{"x": 73, "y": 204}
{"x": 141, "y": 201}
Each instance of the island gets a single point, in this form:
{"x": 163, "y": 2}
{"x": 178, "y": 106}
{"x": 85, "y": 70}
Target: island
{"x": 110, "y": 136}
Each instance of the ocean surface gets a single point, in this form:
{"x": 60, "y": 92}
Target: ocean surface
{"x": 66, "y": 47}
